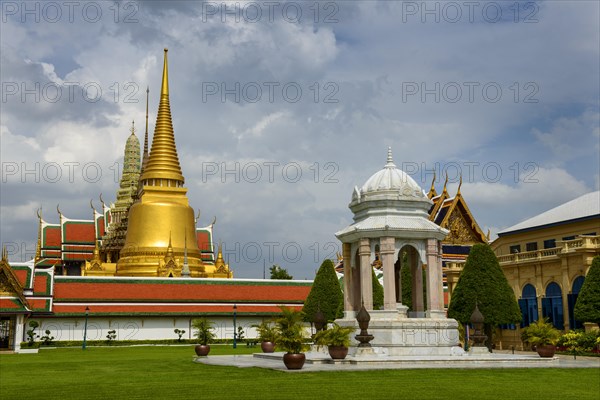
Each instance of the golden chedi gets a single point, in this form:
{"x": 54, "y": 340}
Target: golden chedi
{"x": 161, "y": 231}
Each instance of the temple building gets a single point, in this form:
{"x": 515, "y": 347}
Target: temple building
{"x": 140, "y": 267}
{"x": 546, "y": 258}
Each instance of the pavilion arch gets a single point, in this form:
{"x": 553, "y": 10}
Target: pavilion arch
{"x": 414, "y": 262}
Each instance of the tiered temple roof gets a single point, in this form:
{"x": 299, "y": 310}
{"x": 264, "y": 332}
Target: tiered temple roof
{"x": 452, "y": 213}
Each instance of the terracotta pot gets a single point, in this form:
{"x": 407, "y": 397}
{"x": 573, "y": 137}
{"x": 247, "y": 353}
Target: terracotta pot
{"x": 338, "y": 352}
{"x": 547, "y": 350}
{"x": 267, "y": 347}
{"x": 294, "y": 361}
{"x": 202, "y": 350}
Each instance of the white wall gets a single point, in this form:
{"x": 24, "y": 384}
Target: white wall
{"x": 137, "y": 328}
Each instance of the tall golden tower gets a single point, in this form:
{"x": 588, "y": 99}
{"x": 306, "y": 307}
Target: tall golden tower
{"x": 161, "y": 220}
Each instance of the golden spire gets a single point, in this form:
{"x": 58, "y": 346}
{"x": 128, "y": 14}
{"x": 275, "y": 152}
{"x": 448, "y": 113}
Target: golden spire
{"x": 163, "y": 163}
{"x": 38, "y": 247}
{"x": 432, "y": 193}
{"x": 96, "y": 254}
{"x": 146, "y": 155}
{"x": 445, "y": 183}
{"x": 170, "y": 247}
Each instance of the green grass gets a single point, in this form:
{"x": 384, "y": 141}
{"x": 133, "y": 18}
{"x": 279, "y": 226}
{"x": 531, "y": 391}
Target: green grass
{"x": 169, "y": 373}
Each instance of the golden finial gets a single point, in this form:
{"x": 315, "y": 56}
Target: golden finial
{"x": 170, "y": 247}
{"x": 459, "y": 185}
{"x": 102, "y": 202}
{"x": 96, "y": 251}
{"x": 219, "y": 262}
{"x": 432, "y": 189}
{"x": 145, "y": 156}
{"x": 446, "y": 183}
{"x": 4, "y": 254}
{"x": 38, "y": 246}
{"x": 163, "y": 162}
{"x": 164, "y": 90}
{"x": 488, "y": 235}
{"x": 58, "y": 210}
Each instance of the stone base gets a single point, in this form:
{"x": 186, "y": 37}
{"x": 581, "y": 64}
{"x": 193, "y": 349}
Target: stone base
{"x": 479, "y": 351}
{"x": 358, "y": 352}
{"x": 396, "y": 335}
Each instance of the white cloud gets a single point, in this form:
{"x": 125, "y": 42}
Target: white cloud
{"x": 572, "y": 137}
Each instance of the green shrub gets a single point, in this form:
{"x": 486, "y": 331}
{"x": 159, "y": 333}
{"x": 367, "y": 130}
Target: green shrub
{"x": 47, "y": 338}
{"x": 325, "y": 294}
{"x": 587, "y": 307}
{"x": 267, "y": 332}
{"x": 540, "y": 333}
{"x": 204, "y": 331}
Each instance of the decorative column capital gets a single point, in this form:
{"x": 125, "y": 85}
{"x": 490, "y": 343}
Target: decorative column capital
{"x": 387, "y": 245}
{"x": 364, "y": 246}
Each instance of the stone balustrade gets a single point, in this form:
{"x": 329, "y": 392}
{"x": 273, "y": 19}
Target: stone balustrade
{"x": 567, "y": 246}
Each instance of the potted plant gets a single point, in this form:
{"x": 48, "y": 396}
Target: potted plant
{"x": 337, "y": 340}
{"x": 204, "y": 333}
{"x": 543, "y": 335}
{"x": 266, "y": 334}
{"x": 290, "y": 337}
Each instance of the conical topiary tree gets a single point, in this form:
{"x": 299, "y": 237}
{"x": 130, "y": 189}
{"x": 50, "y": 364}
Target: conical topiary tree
{"x": 325, "y": 294}
{"x": 483, "y": 282}
{"x": 587, "y": 307}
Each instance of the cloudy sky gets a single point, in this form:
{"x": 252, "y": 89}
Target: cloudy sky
{"x": 281, "y": 108}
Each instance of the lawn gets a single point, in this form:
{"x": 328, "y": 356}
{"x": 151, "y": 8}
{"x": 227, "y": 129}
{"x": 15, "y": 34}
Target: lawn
{"x": 169, "y": 373}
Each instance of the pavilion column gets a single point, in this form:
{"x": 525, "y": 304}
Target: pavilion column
{"x": 417, "y": 281}
{"x": 387, "y": 252}
{"x": 348, "y": 284}
{"x": 435, "y": 288}
{"x": 366, "y": 281}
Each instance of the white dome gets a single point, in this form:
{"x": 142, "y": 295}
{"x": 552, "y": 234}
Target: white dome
{"x": 392, "y": 179}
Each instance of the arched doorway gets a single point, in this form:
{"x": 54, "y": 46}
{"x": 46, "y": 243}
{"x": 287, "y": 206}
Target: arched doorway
{"x": 552, "y": 305}
{"x": 528, "y": 305}
{"x": 572, "y": 299}
{"x": 410, "y": 281}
